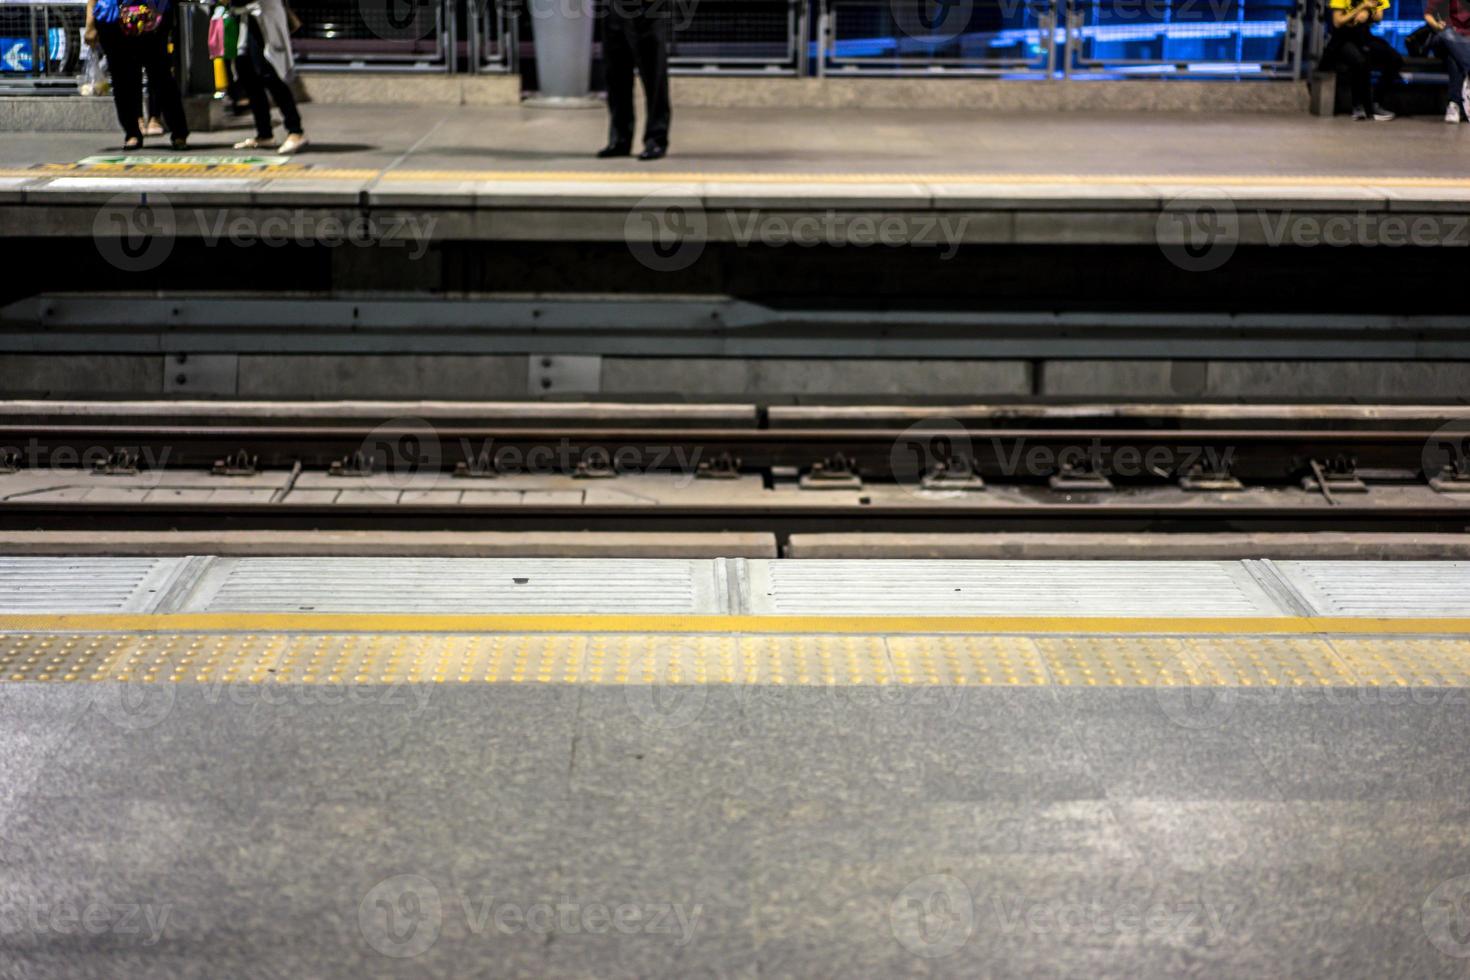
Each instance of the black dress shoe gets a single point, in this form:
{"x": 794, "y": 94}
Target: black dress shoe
{"x": 654, "y": 151}
{"x": 614, "y": 150}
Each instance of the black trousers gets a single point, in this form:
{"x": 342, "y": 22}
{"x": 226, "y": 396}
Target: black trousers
{"x": 1358, "y": 53}
{"x": 636, "y": 35}
{"x": 127, "y": 59}
{"x": 257, "y": 77}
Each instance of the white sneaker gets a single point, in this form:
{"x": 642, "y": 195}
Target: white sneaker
{"x": 293, "y": 144}
{"x": 1359, "y": 114}
{"x": 254, "y": 143}
{"x": 1452, "y": 113}
{"x": 1381, "y": 114}
{"x": 1465, "y": 91}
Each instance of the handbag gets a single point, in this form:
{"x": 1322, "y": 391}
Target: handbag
{"x": 137, "y": 18}
{"x": 217, "y": 33}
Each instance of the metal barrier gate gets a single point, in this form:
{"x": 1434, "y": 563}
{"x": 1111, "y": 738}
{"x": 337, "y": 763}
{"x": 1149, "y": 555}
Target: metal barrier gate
{"x": 918, "y": 37}
{"x": 40, "y": 45}
{"x": 765, "y": 37}
{"x": 1200, "y": 38}
{"x": 493, "y": 30}
{"x": 377, "y": 35}
{"x": 40, "y": 39}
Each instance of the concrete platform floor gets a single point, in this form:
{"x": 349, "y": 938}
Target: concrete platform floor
{"x": 809, "y": 142}
{"x": 625, "y": 831}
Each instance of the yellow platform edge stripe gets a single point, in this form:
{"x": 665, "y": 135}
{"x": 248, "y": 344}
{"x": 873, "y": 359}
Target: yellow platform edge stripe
{"x": 477, "y": 623}
{"x": 329, "y": 173}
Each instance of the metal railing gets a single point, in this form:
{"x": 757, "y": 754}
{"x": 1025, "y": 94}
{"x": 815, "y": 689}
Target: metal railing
{"x": 739, "y": 37}
{"x": 1262, "y": 38}
{"x": 380, "y": 35}
{"x": 1036, "y": 38}
{"x": 920, "y": 37}
{"x": 493, "y": 30}
{"x": 40, "y": 45}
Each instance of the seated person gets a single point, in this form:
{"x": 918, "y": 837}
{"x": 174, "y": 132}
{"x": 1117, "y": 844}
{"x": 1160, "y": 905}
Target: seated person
{"x": 1354, "y": 49}
{"x": 1451, "y": 19}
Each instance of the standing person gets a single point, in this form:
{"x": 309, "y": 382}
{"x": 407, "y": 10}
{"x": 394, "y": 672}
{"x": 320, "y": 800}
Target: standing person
{"x": 265, "y": 64}
{"x": 636, "y": 34}
{"x": 1354, "y": 48}
{"x": 1451, "y": 18}
{"x": 133, "y": 34}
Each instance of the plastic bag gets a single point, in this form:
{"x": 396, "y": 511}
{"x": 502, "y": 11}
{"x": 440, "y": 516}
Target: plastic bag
{"x": 94, "y": 79}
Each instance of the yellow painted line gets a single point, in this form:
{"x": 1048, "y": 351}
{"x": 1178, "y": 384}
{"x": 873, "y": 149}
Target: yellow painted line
{"x": 825, "y": 660}
{"x": 476, "y": 623}
{"x": 328, "y": 173}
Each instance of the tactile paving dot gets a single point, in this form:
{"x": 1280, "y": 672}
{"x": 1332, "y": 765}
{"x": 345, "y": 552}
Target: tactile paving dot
{"x": 1213, "y": 661}
{"x": 1406, "y": 661}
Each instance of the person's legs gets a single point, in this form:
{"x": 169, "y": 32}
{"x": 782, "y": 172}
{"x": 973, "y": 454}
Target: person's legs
{"x": 127, "y": 77}
{"x": 280, "y": 92}
{"x": 1354, "y": 63}
{"x": 153, "y": 109}
{"x": 653, "y": 68}
{"x": 247, "y": 67}
{"x": 1457, "y": 62}
{"x": 617, "y": 59}
{"x": 1383, "y": 56}
{"x": 156, "y": 60}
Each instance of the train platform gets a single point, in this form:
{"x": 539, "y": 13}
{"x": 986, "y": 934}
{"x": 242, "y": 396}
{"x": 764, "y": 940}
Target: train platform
{"x": 525, "y": 173}
{"x": 732, "y": 767}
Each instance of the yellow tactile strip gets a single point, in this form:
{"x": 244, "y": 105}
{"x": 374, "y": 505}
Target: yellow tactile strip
{"x": 714, "y": 659}
{"x": 327, "y": 173}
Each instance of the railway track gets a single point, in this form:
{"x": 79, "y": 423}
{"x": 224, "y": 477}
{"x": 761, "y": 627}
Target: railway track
{"x": 603, "y": 468}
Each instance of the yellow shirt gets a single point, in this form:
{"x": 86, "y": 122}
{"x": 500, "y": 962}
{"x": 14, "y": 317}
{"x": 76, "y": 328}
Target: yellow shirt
{"x": 1350, "y": 4}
